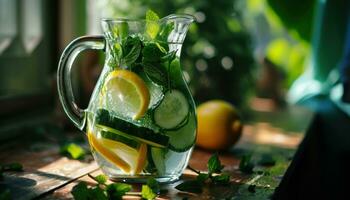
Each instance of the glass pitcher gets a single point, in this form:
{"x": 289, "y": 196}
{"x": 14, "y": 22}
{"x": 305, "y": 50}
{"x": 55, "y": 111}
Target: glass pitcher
{"x": 141, "y": 118}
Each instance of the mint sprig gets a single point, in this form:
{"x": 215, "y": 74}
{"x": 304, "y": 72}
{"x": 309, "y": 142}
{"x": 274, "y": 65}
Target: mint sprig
{"x": 151, "y": 53}
{"x": 115, "y": 191}
{"x": 152, "y": 26}
{"x": 214, "y": 166}
{"x": 73, "y": 151}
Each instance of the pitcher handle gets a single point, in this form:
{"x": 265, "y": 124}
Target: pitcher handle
{"x": 64, "y": 82}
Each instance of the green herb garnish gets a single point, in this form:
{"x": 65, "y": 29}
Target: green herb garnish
{"x": 214, "y": 166}
{"x": 246, "y": 165}
{"x": 104, "y": 191}
{"x": 73, "y": 151}
{"x": 151, "y": 53}
{"x": 152, "y": 26}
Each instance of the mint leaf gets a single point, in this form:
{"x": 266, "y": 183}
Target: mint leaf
{"x": 80, "y": 191}
{"x": 246, "y": 165}
{"x": 131, "y": 49}
{"x": 152, "y": 52}
{"x": 193, "y": 186}
{"x": 214, "y": 164}
{"x": 147, "y": 193}
{"x": 156, "y": 73}
{"x": 152, "y": 26}
{"x": 154, "y": 185}
{"x": 97, "y": 193}
{"x": 221, "y": 179}
{"x": 117, "y": 190}
{"x": 101, "y": 179}
{"x": 151, "y": 16}
{"x": 122, "y": 30}
{"x": 73, "y": 150}
{"x": 267, "y": 160}
{"x": 11, "y": 167}
{"x": 202, "y": 177}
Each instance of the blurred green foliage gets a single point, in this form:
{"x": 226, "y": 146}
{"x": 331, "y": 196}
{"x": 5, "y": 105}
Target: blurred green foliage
{"x": 216, "y": 54}
{"x": 290, "y": 26}
{"x": 295, "y": 15}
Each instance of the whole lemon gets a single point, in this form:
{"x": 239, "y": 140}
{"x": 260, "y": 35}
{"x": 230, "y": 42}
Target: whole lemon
{"x": 219, "y": 125}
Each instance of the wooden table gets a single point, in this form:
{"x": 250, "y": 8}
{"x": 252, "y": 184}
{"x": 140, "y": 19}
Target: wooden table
{"x": 49, "y": 175}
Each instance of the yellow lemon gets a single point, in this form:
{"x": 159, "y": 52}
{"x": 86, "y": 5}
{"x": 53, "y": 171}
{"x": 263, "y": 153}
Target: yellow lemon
{"x": 219, "y": 126}
{"x": 126, "y": 93}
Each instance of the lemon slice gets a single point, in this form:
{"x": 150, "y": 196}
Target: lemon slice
{"x": 107, "y": 152}
{"x": 141, "y": 159}
{"x": 126, "y": 94}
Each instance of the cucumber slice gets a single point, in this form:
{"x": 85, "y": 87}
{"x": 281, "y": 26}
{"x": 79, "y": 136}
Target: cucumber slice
{"x": 172, "y": 110}
{"x": 184, "y": 138}
{"x": 119, "y": 138}
{"x": 115, "y": 125}
{"x": 158, "y": 157}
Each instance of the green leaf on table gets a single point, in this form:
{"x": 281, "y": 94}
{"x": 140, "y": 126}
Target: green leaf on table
{"x": 97, "y": 193}
{"x": 222, "y": 179}
{"x": 101, "y": 179}
{"x": 214, "y": 164}
{"x": 117, "y": 190}
{"x": 11, "y": 167}
{"x": 154, "y": 185}
{"x": 202, "y": 177}
{"x": 246, "y": 165}
{"x": 80, "y": 191}
{"x": 73, "y": 151}
{"x": 266, "y": 160}
{"x": 131, "y": 49}
{"x": 193, "y": 186}
{"x": 152, "y": 26}
{"x": 147, "y": 193}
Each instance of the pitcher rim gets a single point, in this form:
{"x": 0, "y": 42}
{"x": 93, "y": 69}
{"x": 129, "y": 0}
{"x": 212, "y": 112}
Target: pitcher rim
{"x": 188, "y": 17}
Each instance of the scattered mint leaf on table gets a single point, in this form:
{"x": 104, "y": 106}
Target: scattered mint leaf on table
{"x": 101, "y": 179}
{"x": 80, "y": 191}
{"x": 222, "y": 179}
{"x": 266, "y": 160}
{"x": 202, "y": 177}
{"x": 246, "y": 165}
{"x": 147, "y": 193}
{"x": 11, "y": 167}
{"x": 73, "y": 151}
{"x": 117, "y": 190}
{"x": 214, "y": 164}
{"x": 193, "y": 186}
{"x": 154, "y": 185}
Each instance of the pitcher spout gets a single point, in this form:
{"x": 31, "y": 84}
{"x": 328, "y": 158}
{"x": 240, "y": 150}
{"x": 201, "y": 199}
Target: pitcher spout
{"x": 180, "y": 23}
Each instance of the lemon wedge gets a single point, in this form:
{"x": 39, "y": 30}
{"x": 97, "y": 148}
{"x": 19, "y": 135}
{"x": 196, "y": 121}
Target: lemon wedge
{"x": 141, "y": 159}
{"x": 107, "y": 152}
{"x": 126, "y": 94}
